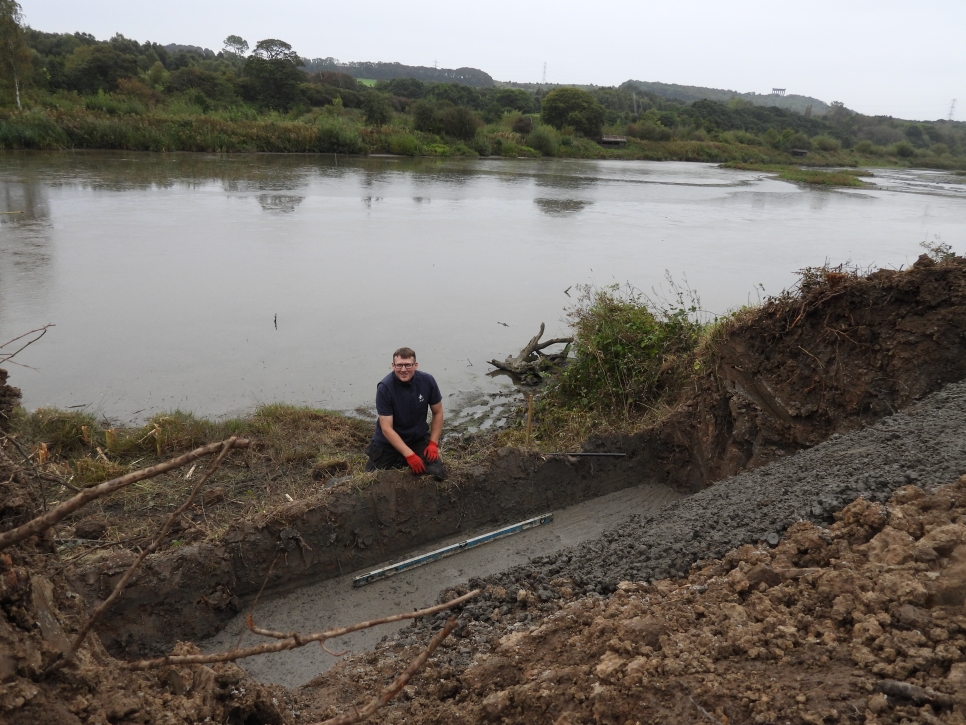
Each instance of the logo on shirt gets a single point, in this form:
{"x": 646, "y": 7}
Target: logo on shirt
{"x": 421, "y": 398}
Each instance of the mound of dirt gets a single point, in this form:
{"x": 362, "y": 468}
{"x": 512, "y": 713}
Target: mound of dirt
{"x": 863, "y": 621}
{"x": 9, "y": 399}
{"x": 845, "y": 351}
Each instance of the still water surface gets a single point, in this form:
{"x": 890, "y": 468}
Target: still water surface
{"x": 166, "y": 274}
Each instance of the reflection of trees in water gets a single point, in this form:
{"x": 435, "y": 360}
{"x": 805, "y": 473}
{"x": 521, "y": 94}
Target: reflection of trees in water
{"x": 279, "y": 203}
{"x": 25, "y": 245}
{"x": 563, "y": 181}
{"x": 561, "y": 207}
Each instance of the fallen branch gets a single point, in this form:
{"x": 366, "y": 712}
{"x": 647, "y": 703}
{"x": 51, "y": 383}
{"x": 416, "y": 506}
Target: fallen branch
{"x": 8, "y": 356}
{"x": 289, "y": 640}
{"x": 397, "y": 684}
{"x": 44, "y": 522}
{"x": 532, "y": 361}
{"x": 159, "y": 539}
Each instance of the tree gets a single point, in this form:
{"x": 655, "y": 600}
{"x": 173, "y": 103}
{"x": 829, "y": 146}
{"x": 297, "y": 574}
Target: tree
{"x": 93, "y": 68}
{"x": 377, "y": 109}
{"x": 14, "y": 53}
{"x": 236, "y": 44}
{"x": 573, "y": 107}
{"x": 275, "y": 49}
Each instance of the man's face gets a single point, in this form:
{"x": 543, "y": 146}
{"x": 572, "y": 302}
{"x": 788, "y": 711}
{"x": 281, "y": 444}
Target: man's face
{"x": 404, "y": 367}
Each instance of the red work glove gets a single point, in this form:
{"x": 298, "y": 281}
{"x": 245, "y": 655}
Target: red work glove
{"x": 416, "y": 463}
{"x": 432, "y": 451}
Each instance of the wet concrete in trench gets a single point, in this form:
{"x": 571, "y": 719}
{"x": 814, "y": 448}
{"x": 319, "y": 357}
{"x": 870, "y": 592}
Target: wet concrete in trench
{"x": 334, "y": 602}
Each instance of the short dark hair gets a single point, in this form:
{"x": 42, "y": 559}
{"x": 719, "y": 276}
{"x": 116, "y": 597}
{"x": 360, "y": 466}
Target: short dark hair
{"x": 405, "y": 353}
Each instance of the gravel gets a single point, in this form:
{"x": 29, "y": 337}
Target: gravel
{"x": 925, "y": 445}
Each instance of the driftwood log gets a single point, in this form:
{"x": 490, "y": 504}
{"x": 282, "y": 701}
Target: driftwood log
{"x": 532, "y": 360}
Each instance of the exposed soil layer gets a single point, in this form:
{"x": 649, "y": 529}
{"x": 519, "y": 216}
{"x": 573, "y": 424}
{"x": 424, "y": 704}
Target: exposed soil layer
{"x": 860, "y": 622}
{"x": 9, "y": 399}
{"x": 845, "y": 352}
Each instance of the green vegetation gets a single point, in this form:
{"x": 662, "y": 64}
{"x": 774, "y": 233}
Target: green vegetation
{"x": 840, "y": 177}
{"x": 72, "y": 91}
{"x": 632, "y": 356}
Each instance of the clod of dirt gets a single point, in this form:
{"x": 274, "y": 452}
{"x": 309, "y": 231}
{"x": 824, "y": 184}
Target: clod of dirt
{"x": 849, "y": 623}
{"x": 92, "y": 527}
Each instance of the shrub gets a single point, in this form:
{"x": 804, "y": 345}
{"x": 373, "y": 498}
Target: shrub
{"x": 798, "y": 141}
{"x": 426, "y": 117}
{"x": 404, "y": 144}
{"x": 826, "y": 143}
{"x": 544, "y": 139}
{"x": 523, "y": 124}
{"x": 649, "y": 131}
{"x": 115, "y": 105}
{"x": 626, "y": 349}
{"x": 865, "y": 147}
{"x": 902, "y": 149}
{"x": 460, "y": 122}
{"x": 337, "y": 135}
{"x": 939, "y": 149}
{"x": 378, "y": 109}
{"x": 31, "y": 130}
{"x": 481, "y": 144}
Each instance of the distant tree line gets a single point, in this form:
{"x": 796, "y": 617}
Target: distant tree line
{"x": 122, "y": 77}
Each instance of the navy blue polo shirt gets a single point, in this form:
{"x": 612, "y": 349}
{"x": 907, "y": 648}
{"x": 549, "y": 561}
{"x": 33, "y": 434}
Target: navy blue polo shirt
{"x": 408, "y": 404}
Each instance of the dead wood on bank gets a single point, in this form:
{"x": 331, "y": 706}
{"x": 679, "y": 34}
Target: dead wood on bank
{"x": 42, "y": 523}
{"x": 398, "y": 684}
{"x": 289, "y": 640}
{"x": 158, "y": 540}
{"x": 532, "y": 360}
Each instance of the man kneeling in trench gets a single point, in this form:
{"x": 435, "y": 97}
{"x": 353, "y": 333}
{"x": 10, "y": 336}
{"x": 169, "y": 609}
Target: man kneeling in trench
{"x": 402, "y": 436}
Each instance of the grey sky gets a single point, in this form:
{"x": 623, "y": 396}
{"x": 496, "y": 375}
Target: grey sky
{"x": 895, "y": 57}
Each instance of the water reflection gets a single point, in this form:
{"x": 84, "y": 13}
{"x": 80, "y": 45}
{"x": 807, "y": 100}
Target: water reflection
{"x": 561, "y": 207}
{"x": 25, "y": 247}
{"x": 279, "y": 203}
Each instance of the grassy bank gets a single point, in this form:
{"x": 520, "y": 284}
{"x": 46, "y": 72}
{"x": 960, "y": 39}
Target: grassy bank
{"x": 115, "y": 122}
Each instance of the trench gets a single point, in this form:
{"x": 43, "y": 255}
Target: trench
{"x": 335, "y": 602}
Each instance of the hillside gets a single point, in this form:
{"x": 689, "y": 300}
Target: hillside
{"x": 387, "y": 71}
{"x": 790, "y": 102}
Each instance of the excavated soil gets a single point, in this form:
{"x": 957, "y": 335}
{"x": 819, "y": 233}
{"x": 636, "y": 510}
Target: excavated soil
{"x": 810, "y": 616}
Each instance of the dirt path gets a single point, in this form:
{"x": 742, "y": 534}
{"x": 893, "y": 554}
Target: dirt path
{"x": 334, "y": 602}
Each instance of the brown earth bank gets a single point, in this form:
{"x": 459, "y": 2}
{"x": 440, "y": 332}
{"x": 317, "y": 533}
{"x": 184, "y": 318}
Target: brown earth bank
{"x": 862, "y": 622}
{"x": 844, "y": 351}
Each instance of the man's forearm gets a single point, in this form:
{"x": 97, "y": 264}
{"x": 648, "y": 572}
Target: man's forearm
{"x": 396, "y": 441}
{"x": 436, "y": 427}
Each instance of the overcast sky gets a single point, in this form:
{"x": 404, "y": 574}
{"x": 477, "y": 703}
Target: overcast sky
{"x": 895, "y": 57}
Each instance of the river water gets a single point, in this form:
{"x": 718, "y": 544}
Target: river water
{"x": 214, "y": 283}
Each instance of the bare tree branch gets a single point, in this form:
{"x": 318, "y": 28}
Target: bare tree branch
{"x": 35, "y": 469}
{"x": 290, "y": 640}
{"x": 7, "y": 356}
{"x": 397, "y": 684}
{"x": 159, "y": 539}
{"x": 44, "y": 522}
